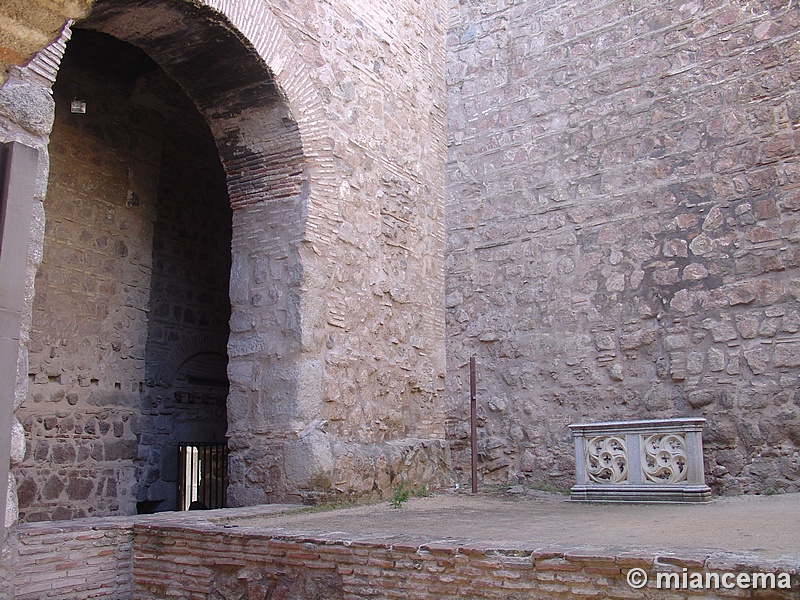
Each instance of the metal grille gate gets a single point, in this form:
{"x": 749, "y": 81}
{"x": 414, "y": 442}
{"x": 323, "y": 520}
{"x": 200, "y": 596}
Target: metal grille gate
{"x": 202, "y": 476}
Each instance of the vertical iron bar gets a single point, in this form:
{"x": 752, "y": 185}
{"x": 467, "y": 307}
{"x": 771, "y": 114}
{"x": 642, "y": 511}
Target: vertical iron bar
{"x": 224, "y": 476}
{"x": 473, "y": 423}
{"x": 195, "y": 456}
{"x": 181, "y": 476}
{"x": 212, "y": 491}
{"x": 187, "y": 495}
{"x": 211, "y": 473}
{"x": 205, "y": 473}
{"x": 184, "y": 479}
{"x": 198, "y": 477}
{"x": 4, "y": 177}
{"x": 217, "y": 474}
{"x": 202, "y": 475}
{"x": 182, "y": 499}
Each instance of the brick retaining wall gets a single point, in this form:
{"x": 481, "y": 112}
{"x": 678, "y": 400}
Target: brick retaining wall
{"x": 185, "y": 556}
{"x": 86, "y": 558}
{"x": 242, "y": 562}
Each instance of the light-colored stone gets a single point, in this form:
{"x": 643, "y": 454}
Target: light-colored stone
{"x": 701, "y": 218}
{"x": 331, "y": 192}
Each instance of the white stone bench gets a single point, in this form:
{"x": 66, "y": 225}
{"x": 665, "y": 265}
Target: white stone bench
{"x": 658, "y": 460}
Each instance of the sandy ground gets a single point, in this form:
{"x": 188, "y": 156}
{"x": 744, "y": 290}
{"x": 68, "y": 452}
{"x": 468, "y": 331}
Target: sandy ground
{"x": 763, "y": 526}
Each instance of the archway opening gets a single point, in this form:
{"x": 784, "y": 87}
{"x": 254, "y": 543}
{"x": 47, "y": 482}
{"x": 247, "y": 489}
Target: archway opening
{"x": 131, "y": 312}
{"x": 112, "y": 382}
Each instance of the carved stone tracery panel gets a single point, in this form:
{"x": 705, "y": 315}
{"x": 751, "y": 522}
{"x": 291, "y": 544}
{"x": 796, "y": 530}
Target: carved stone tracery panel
{"x": 664, "y": 458}
{"x": 607, "y": 459}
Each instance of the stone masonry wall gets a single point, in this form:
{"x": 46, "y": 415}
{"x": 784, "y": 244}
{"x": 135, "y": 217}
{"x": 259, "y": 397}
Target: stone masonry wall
{"x": 336, "y": 349}
{"x": 623, "y": 185}
{"x": 87, "y": 347}
{"x": 30, "y": 26}
{"x": 379, "y": 323}
{"x": 26, "y": 113}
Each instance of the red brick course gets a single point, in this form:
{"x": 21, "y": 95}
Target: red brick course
{"x": 184, "y": 556}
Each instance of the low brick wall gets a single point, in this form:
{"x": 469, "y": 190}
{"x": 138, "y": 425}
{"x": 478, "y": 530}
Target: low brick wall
{"x": 233, "y": 563}
{"x": 86, "y": 558}
{"x": 189, "y": 557}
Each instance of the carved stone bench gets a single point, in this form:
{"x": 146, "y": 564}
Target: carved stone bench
{"x": 658, "y": 460}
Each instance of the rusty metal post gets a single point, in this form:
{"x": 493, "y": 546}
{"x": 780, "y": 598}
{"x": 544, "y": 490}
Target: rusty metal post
{"x": 473, "y": 423}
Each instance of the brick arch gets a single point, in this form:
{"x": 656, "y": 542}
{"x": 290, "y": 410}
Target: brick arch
{"x": 257, "y": 23}
{"x": 275, "y": 145}
{"x": 272, "y": 136}
{"x": 265, "y": 114}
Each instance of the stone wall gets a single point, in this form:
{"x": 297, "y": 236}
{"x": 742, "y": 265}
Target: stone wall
{"x": 186, "y": 383}
{"x": 90, "y": 313}
{"x": 621, "y": 240}
{"x": 622, "y": 230}
{"x": 336, "y": 353}
{"x": 27, "y": 112}
{"x": 378, "y": 334}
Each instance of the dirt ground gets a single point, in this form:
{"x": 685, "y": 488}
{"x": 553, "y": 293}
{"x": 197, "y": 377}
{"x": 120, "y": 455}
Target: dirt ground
{"x": 763, "y": 526}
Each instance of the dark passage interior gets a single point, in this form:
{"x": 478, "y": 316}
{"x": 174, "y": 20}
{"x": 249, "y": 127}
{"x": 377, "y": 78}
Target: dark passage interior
{"x": 186, "y": 371}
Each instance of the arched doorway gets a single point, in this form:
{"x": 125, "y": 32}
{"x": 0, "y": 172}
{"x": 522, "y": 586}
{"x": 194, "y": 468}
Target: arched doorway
{"x": 135, "y": 276}
{"x": 120, "y": 382}
{"x": 335, "y": 353}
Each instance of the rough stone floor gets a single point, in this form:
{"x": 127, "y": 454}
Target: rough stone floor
{"x": 764, "y": 528}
